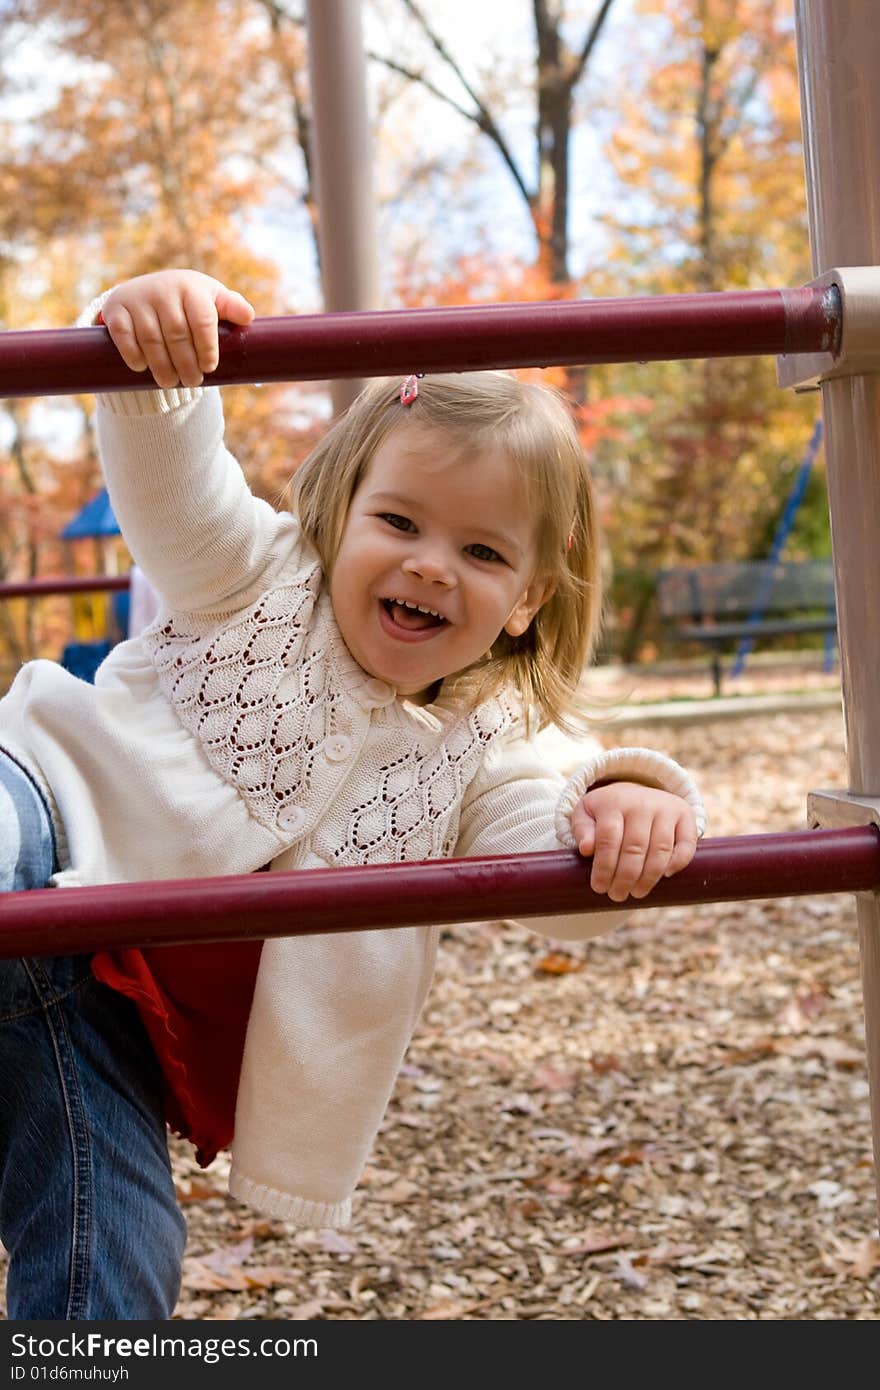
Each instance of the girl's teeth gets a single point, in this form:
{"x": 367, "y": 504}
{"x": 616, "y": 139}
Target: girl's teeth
{"x": 404, "y": 603}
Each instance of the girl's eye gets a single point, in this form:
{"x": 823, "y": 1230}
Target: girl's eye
{"x": 400, "y": 523}
{"x": 483, "y": 552}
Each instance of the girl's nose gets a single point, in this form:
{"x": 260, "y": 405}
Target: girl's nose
{"x": 430, "y": 564}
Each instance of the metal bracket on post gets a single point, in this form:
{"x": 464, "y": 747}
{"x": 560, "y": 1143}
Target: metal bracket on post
{"x": 838, "y": 810}
{"x": 854, "y": 295}
{"x": 834, "y": 810}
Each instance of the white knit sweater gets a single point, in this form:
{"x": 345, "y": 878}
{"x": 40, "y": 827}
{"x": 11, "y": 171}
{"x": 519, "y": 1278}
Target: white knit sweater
{"x": 237, "y": 730}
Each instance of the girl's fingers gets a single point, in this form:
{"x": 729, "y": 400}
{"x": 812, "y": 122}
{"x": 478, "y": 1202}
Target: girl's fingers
{"x": 606, "y": 850}
{"x": 168, "y": 348}
{"x": 583, "y": 829}
{"x": 634, "y": 851}
{"x": 189, "y": 332}
{"x": 118, "y": 322}
{"x": 202, "y": 313}
{"x": 661, "y": 851}
{"x": 140, "y": 339}
{"x": 686, "y": 842}
{"x": 152, "y": 342}
{"x": 233, "y": 307}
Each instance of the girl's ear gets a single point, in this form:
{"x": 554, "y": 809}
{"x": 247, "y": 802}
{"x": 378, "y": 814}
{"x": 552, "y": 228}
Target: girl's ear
{"x": 527, "y": 605}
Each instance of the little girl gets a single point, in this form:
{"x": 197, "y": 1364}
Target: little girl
{"x": 355, "y": 681}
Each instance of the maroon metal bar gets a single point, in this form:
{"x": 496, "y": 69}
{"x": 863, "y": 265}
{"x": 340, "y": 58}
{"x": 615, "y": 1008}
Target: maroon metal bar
{"x": 64, "y": 584}
{"x": 53, "y": 921}
{"x": 321, "y": 347}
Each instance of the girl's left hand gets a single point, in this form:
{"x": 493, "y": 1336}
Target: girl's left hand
{"x": 636, "y": 836}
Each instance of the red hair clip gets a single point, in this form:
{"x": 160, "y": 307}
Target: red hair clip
{"x": 410, "y": 388}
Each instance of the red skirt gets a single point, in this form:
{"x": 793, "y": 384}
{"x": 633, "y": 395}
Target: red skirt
{"x": 195, "y": 1002}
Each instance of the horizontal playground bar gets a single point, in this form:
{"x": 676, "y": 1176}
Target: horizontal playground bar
{"x": 64, "y": 584}
{"x": 52, "y": 921}
{"x": 320, "y": 347}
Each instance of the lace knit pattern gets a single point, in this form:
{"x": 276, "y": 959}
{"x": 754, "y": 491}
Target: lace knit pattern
{"x": 254, "y": 692}
{"x": 265, "y": 699}
{"x": 403, "y": 804}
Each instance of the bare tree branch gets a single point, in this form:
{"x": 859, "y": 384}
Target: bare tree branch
{"x": 589, "y": 43}
{"x": 481, "y": 116}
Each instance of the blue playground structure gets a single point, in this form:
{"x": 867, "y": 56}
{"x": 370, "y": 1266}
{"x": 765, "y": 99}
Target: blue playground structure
{"x": 95, "y": 521}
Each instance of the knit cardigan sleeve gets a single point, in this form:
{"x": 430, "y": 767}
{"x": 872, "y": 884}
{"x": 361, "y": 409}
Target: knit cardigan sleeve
{"x": 519, "y": 803}
{"x": 182, "y": 502}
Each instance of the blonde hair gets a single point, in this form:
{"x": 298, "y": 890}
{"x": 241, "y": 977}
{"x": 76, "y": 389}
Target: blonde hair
{"x": 533, "y": 427}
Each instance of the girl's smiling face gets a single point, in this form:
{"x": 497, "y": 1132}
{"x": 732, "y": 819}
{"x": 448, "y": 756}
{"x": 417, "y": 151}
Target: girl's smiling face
{"x": 437, "y": 557}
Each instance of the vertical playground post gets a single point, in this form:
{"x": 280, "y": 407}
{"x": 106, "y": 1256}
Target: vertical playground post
{"x": 839, "y": 62}
{"x": 343, "y": 160}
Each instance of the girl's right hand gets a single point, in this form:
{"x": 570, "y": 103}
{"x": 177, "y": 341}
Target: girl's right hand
{"x": 167, "y": 322}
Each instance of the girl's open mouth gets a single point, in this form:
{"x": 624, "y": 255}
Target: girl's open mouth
{"x": 400, "y": 617}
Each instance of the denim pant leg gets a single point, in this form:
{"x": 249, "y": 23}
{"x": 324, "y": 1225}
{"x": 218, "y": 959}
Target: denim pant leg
{"x": 88, "y": 1212}
{"x": 27, "y": 842}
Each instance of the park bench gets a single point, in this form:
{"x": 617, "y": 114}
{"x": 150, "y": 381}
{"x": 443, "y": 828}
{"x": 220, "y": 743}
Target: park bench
{"x": 717, "y": 605}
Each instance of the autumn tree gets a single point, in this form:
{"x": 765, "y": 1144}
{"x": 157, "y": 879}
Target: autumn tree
{"x": 708, "y": 159}
{"x": 154, "y": 148}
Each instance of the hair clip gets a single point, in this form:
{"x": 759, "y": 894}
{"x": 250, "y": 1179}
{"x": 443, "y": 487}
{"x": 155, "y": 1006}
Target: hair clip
{"x": 570, "y": 540}
{"x": 410, "y": 388}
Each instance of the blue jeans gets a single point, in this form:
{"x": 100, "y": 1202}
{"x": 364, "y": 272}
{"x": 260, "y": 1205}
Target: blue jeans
{"x": 88, "y": 1212}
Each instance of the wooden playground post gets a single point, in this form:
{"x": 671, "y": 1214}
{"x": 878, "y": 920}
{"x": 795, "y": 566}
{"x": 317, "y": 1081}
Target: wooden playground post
{"x": 839, "y": 62}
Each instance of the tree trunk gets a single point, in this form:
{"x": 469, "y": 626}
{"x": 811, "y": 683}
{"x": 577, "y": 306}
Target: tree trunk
{"x": 553, "y": 129}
